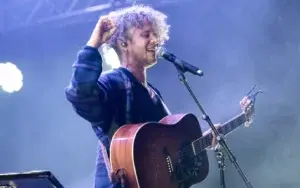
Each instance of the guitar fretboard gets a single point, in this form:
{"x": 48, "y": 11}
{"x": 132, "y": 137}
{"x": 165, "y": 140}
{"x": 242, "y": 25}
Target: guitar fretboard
{"x": 203, "y": 142}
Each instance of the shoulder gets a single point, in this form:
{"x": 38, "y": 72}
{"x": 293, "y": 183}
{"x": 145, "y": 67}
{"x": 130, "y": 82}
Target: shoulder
{"x": 113, "y": 78}
{"x": 111, "y": 74}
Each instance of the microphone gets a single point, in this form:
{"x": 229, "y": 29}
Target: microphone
{"x": 184, "y": 66}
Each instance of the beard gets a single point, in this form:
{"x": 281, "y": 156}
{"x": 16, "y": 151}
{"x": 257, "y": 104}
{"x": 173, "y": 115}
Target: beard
{"x": 150, "y": 60}
{"x": 145, "y": 58}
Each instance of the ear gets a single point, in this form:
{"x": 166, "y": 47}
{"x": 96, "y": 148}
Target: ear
{"x": 122, "y": 44}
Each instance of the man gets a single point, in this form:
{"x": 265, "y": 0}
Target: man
{"x": 123, "y": 95}
{"x": 104, "y": 98}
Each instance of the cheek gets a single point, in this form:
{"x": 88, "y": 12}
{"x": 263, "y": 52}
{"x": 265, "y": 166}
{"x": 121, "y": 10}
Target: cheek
{"x": 140, "y": 49}
{"x": 141, "y": 43}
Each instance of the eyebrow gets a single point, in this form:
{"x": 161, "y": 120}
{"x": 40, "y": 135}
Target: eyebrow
{"x": 147, "y": 31}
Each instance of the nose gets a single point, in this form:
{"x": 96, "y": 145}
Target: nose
{"x": 154, "y": 39}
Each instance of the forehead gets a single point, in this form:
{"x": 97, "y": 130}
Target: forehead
{"x": 147, "y": 27}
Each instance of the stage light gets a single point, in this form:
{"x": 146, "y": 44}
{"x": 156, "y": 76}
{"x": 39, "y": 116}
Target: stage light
{"x": 11, "y": 78}
{"x": 110, "y": 57}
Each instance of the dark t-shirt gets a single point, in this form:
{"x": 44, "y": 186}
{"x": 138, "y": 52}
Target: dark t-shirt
{"x": 144, "y": 108}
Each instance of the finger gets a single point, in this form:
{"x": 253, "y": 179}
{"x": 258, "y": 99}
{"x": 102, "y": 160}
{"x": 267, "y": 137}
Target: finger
{"x": 242, "y": 102}
{"x": 112, "y": 30}
{"x": 246, "y": 100}
{"x": 109, "y": 21}
{"x": 109, "y": 27}
{"x": 214, "y": 140}
{"x": 206, "y": 132}
{"x": 217, "y": 125}
{"x": 101, "y": 20}
{"x": 243, "y": 99}
{"x": 107, "y": 35}
{"x": 110, "y": 33}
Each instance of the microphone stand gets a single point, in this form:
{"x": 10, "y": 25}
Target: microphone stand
{"x": 220, "y": 159}
{"x": 220, "y": 138}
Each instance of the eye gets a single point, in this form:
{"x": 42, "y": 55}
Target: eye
{"x": 146, "y": 34}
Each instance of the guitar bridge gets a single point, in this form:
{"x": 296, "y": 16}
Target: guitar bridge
{"x": 168, "y": 160}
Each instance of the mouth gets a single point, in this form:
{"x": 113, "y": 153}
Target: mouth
{"x": 152, "y": 47}
{"x": 152, "y": 55}
{"x": 151, "y": 50}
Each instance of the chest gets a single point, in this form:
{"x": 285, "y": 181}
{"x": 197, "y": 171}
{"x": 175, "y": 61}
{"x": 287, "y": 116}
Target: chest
{"x": 147, "y": 105}
{"x": 142, "y": 105}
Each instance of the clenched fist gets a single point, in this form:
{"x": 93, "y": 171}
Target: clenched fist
{"x": 102, "y": 32}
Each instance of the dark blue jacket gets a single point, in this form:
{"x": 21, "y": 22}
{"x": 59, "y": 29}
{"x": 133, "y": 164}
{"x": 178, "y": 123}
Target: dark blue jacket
{"x": 110, "y": 98}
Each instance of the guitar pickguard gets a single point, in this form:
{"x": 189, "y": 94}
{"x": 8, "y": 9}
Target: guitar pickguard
{"x": 187, "y": 167}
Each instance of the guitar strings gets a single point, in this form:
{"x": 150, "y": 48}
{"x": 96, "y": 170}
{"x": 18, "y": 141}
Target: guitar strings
{"x": 189, "y": 148}
{"x": 202, "y": 141}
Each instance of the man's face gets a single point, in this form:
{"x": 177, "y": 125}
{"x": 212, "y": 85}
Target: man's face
{"x": 142, "y": 46}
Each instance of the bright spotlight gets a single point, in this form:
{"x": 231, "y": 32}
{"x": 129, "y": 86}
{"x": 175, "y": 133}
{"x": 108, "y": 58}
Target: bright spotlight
{"x": 11, "y": 78}
{"x": 110, "y": 57}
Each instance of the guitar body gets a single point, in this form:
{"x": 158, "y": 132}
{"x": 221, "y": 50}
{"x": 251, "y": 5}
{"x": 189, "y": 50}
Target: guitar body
{"x": 148, "y": 153}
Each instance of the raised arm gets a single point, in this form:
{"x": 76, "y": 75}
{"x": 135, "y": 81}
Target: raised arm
{"x": 87, "y": 92}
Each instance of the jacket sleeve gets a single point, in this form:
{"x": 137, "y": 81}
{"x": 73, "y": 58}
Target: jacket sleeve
{"x": 89, "y": 94}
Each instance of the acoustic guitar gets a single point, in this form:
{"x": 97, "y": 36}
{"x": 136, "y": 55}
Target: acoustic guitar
{"x": 170, "y": 153}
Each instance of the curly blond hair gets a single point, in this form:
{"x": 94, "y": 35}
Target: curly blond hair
{"x": 135, "y": 16}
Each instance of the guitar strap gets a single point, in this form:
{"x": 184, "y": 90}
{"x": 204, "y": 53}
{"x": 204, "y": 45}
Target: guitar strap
{"x": 162, "y": 101}
{"x": 129, "y": 95}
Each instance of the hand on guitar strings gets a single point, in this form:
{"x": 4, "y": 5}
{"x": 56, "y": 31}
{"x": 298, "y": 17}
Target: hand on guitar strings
{"x": 247, "y": 107}
{"x": 244, "y": 103}
{"x": 214, "y": 143}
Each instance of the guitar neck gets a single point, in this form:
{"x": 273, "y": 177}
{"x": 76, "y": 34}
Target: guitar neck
{"x": 205, "y": 141}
